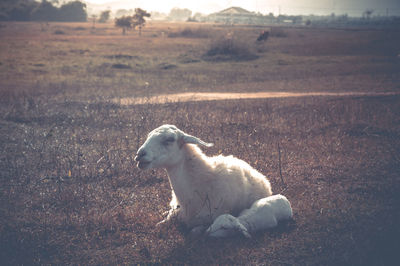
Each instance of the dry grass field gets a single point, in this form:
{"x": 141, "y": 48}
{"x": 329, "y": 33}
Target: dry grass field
{"x": 70, "y": 192}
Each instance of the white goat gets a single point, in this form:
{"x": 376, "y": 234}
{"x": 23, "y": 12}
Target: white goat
{"x": 202, "y": 187}
{"x": 263, "y": 214}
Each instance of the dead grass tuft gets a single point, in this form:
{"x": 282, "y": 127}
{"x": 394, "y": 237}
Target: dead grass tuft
{"x": 59, "y": 32}
{"x": 75, "y": 192}
{"x": 121, "y": 66}
{"x": 190, "y": 32}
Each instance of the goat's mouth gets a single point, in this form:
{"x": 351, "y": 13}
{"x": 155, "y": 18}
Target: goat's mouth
{"x": 143, "y": 165}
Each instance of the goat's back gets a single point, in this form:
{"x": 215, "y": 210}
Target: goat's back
{"x": 240, "y": 183}
{"x": 220, "y": 184}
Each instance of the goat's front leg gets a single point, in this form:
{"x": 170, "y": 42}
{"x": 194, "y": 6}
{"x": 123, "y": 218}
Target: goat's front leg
{"x": 172, "y": 214}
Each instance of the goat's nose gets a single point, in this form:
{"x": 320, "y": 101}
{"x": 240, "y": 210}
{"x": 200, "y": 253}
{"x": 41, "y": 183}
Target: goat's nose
{"x": 139, "y": 155}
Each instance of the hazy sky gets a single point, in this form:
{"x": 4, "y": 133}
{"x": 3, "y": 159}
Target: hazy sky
{"x": 351, "y": 7}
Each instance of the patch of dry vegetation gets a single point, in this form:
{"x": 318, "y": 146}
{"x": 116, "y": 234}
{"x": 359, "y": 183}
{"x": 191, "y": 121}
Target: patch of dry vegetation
{"x": 87, "y": 65}
{"x": 190, "y": 32}
{"x": 69, "y": 189}
{"x": 230, "y": 48}
{"x": 71, "y": 192}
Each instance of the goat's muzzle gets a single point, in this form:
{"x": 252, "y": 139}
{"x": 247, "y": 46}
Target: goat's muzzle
{"x": 142, "y": 164}
{"x": 140, "y": 155}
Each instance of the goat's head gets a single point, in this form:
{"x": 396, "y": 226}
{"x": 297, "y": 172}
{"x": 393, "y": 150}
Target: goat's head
{"x": 162, "y": 147}
{"x": 226, "y": 225}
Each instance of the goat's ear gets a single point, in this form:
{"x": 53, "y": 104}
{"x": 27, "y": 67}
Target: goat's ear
{"x": 194, "y": 140}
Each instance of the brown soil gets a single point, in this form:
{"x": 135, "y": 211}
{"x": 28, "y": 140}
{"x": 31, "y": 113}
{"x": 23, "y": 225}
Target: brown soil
{"x": 217, "y": 96}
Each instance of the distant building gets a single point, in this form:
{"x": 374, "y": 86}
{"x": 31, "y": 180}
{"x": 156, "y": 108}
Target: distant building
{"x": 234, "y": 11}
{"x": 238, "y": 15}
{"x": 232, "y": 15}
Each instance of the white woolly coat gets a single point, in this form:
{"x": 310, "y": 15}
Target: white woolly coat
{"x": 205, "y": 187}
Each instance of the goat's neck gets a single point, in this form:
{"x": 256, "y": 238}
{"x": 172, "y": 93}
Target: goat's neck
{"x": 177, "y": 179}
{"x": 182, "y": 173}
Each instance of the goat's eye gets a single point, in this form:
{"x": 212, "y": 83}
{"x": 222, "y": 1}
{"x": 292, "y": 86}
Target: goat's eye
{"x": 168, "y": 141}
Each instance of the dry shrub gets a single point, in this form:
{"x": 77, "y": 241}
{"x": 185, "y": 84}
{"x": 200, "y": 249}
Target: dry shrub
{"x": 121, "y": 66}
{"x": 190, "y": 33}
{"x": 229, "y": 48}
{"x": 59, "y": 32}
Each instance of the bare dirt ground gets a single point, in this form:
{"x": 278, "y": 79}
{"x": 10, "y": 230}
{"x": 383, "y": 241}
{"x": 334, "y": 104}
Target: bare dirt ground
{"x": 218, "y": 96}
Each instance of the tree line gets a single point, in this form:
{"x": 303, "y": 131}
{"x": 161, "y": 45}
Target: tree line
{"x": 31, "y": 10}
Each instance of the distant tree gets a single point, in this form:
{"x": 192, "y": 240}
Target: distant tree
{"x": 138, "y": 19}
{"x": 73, "y": 11}
{"x": 104, "y": 16}
{"x": 367, "y": 13}
{"x": 45, "y": 11}
{"x": 124, "y": 22}
{"x": 18, "y": 11}
{"x": 180, "y": 14}
{"x": 129, "y": 22}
